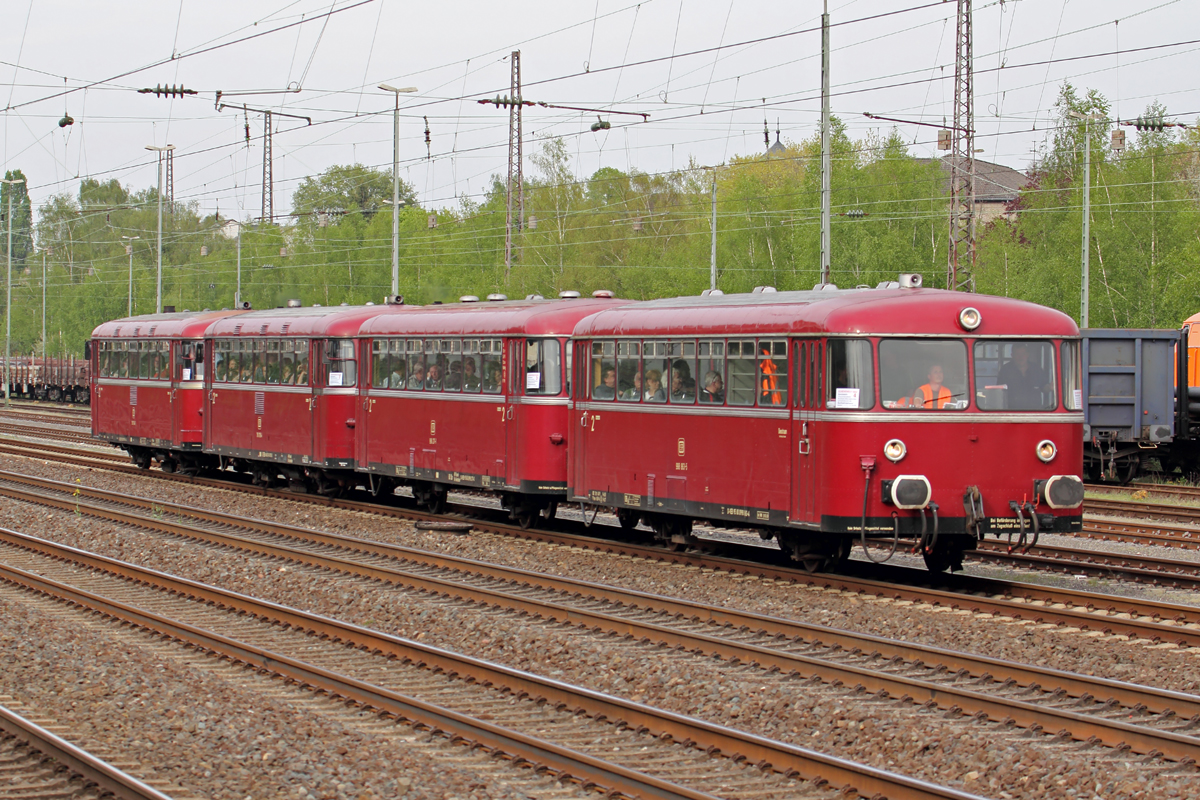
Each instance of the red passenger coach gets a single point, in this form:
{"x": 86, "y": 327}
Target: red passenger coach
{"x": 829, "y": 417}
{"x": 282, "y": 400}
{"x": 472, "y": 395}
{"x": 148, "y": 386}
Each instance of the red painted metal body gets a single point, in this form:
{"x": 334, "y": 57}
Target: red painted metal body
{"x": 255, "y": 413}
{"x": 515, "y": 438}
{"x": 800, "y": 466}
{"x": 142, "y": 398}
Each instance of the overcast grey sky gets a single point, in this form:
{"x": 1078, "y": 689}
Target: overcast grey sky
{"x": 708, "y": 106}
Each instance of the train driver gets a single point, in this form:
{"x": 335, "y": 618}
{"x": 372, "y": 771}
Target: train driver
{"x": 607, "y": 388}
{"x": 933, "y": 394}
{"x": 1025, "y": 382}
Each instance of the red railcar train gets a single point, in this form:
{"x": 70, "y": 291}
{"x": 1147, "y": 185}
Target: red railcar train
{"x": 816, "y": 418}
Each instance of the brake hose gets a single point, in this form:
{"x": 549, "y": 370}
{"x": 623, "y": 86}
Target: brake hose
{"x": 862, "y": 531}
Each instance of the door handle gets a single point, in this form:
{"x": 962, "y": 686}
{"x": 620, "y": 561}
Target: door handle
{"x": 805, "y": 447}
{"x": 509, "y": 415}
{"x": 583, "y": 420}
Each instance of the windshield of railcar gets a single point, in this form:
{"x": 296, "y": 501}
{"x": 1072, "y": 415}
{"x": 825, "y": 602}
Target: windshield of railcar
{"x": 923, "y": 374}
{"x": 1015, "y": 375}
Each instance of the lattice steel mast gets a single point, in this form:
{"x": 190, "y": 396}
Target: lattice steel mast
{"x": 961, "y": 270}
{"x": 268, "y": 182}
{"x": 170, "y": 181}
{"x": 516, "y": 184}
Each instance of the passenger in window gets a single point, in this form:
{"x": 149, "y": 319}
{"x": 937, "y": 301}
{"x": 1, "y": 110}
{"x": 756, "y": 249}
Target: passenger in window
{"x": 470, "y": 381}
{"x": 683, "y": 388}
{"x": 634, "y": 393}
{"x": 714, "y": 391}
{"x": 302, "y": 373}
{"x": 1024, "y": 381}
{"x": 654, "y": 391}
{"x": 288, "y": 373}
{"x": 607, "y": 388}
{"x": 396, "y": 379}
{"x": 417, "y": 379}
{"x": 491, "y": 381}
{"x": 454, "y": 379}
{"x": 434, "y": 380}
{"x": 933, "y": 394}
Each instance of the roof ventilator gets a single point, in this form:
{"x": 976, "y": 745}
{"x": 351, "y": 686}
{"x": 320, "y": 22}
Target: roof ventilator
{"x": 496, "y": 297}
{"x": 712, "y": 293}
{"x": 888, "y": 285}
{"x": 468, "y": 298}
{"x": 293, "y": 303}
{"x": 604, "y": 294}
{"x": 825, "y": 287}
{"x": 568, "y": 295}
{"x": 764, "y": 290}
{"x": 534, "y": 297}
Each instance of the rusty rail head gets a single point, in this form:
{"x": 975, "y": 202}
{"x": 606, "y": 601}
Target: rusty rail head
{"x": 91, "y": 769}
{"x": 782, "y": 757}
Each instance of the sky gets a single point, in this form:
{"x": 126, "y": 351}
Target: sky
{"x": 707, "y": 72}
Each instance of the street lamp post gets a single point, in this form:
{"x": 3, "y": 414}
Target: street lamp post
{"x": 1087, "y": 209}
{"x": 396, "y": 184}
{"x": 129, "y": 247}
{"x": 8, "y": 302}
{"x": 160, "y": 151}
{"x": 44, "y": 253}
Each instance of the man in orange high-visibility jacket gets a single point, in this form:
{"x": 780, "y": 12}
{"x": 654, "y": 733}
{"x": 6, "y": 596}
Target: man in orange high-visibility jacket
{"x": 770, "y": 394}
{"x": 933, "y": 394}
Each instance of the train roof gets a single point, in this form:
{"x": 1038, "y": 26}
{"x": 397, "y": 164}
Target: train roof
{"x": 304, "y": 321}
{"x": 533, "y": 317}
{"x": 179, "y": 324}
{"x": 861, "y": 311}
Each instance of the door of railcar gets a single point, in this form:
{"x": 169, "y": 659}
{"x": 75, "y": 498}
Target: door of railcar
{"x": 582, "y": 386}
{"x": 807, "y": 354}
{"x": 514, "y": 369}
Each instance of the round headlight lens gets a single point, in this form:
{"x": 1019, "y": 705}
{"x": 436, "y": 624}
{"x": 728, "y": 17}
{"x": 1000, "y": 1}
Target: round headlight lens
{"x": 969, "y": 318}
{"x": 1046, "y": 451}
{"x": 894, "y": 450}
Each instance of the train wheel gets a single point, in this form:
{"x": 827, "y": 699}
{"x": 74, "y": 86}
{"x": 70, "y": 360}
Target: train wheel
{"x": 628, "y": 518}
{"x": 945, "y": 555}
{"x": 525, "y": 516}
{"x": 168, "y": 465}
{"x": 550, "y": 511}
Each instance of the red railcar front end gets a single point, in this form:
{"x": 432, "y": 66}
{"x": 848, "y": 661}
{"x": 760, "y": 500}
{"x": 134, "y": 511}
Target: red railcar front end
{"x": 826, "y": 418}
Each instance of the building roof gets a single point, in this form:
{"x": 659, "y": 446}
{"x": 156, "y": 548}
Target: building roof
{"x": 994, "y": 183}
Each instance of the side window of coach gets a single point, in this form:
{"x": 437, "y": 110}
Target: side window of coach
{"x": 491, "y": 365}
{"x": 850, "y": 374}
{"x": 711, "y": 370}
{"x": 603, "y": 371}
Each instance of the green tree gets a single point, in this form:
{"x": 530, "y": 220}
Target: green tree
{"x": 22, "y": 217}
{"x": 347, "y": 190}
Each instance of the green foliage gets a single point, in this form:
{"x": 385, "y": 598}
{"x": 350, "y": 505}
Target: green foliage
{"x": 642, "y": 235}
{"x": 1144, "y": 217}
{"x": 22, "y": 218}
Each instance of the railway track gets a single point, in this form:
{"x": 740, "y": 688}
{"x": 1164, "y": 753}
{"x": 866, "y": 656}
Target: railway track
{"x": 580, "y": 735}
{"x": 1147, "y": 720}
{"x": 38, "y": 763}
{"x": 1072, "y": 608}
{"x": 24, "y": 416}
{"x": 61, "y": 434}
{"x": 1142, "y": 510}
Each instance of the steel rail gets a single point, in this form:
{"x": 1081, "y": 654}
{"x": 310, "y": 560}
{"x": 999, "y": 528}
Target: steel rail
{"x": 1019, "y": 600}
{"x": 1158, "y": 533}
{"x": 90, "y": 769}
{"x": 778, "y": 756}
{"x": 1098, "y": 505}
{"x": 1026, "y": 714}
{"x": 1143, "y": 569}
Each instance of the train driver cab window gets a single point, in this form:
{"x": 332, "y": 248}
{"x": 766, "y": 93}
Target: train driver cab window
{"x": 340, "y": 366}
{"x": 923, "y": 374}
{"x": 603, "y": 372}
{"x": 543, "y": 367}
{"x": 850, "y": 374}
{"x": 1014, "y": 375}
{"x": 1072, "y": 380}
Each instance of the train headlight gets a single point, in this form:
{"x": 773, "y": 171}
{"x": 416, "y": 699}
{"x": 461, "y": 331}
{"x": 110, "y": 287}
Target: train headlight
{"x": 1046, "y": 451}
{"x": 969, "y": 318}
{"x": 895, "y": 450}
